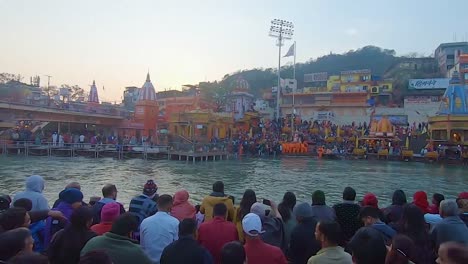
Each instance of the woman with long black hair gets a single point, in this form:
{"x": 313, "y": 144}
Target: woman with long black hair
{"x": 412, "y": 224}
{"x": 248, "y": 199}
{"x": 285, "y": 208}
{"x": 66, "y": 245}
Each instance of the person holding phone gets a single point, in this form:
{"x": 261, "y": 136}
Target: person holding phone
{"x": 272, "y": 223}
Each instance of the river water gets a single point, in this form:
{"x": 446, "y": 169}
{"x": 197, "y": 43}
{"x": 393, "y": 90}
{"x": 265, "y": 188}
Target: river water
{"x": 270, "y": 178}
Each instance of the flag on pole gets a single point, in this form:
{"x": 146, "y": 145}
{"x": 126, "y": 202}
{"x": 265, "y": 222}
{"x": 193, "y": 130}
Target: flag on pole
{"x": 291, "y": 51}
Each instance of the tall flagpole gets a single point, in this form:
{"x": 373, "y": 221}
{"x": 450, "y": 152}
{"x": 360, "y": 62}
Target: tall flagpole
{"x": 294, "y": 75}
{"x": 293, "y": 114}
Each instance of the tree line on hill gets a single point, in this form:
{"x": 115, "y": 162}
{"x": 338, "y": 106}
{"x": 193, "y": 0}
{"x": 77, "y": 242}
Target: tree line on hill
{"x": 378, "y": 60}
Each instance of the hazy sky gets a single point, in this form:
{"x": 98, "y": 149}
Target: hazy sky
{"x": 115, "y": 42}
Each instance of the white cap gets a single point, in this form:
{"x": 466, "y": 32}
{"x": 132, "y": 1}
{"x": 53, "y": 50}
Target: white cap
{"x": 252, "y": 225}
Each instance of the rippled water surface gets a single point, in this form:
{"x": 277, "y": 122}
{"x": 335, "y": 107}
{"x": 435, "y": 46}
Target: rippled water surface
{"x": 270, "y": 178}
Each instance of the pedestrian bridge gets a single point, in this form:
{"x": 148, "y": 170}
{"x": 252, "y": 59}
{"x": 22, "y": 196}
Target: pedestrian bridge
{"x": 12, "y": 112}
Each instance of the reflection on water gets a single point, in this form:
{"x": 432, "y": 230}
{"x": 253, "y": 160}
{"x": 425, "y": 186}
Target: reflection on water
{"x": 268, "y": 177}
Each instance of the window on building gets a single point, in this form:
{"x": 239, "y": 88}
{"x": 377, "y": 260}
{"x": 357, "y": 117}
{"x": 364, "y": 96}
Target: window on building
{"x": 365, "y": 78}
{"x": 466, "y": 76}
{"x": 439, "y": 134}
{"x": 465, "y": 66}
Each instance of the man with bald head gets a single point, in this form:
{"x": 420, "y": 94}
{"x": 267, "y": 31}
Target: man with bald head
{"x": 109, "y": 194}
{"x": 73, "y": 185}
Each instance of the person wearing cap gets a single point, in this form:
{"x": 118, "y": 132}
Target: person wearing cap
{"x": 71, "y": 199}
{"x": 272, "y": 224}
{"x": 303, "y": 244}
{"x": 35, "y": 185}
{"x": 216, "y": 197}
{"x": 143, "y": 205}
{"x": 74, "y": 185}
{"x": 321, "y": 211}
{"x": 257, "y": 251}
{"x": 370, "y": 199}
{"x": 109, "y": 192}
{"x": 109, "y": 213}
{"x": 329, "y": 235}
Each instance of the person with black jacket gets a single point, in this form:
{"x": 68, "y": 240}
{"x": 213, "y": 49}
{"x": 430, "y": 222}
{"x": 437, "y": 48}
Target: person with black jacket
{"x": 303, "y": 244}
{"x": 347, "y": 213}
{"x": 186, "y": 249}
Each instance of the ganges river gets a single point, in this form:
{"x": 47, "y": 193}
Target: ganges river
{"x": 270, "y": 178}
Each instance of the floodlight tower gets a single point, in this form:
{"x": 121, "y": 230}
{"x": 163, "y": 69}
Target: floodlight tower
{"x": 280, "y": 29}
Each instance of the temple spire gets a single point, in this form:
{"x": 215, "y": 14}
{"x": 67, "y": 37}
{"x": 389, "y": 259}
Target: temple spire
{"x": 93, "y": 94}
{"x": 148, "y": 77}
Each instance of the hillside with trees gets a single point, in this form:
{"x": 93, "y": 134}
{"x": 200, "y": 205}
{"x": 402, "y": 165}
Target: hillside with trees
{"x": 376, "y": 59}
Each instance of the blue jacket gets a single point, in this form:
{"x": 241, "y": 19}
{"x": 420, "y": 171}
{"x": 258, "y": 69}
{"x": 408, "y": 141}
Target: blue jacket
{"x": 451, "y": 228}
{"x": 387, "y": 232}
{"x": 34, "y": 187}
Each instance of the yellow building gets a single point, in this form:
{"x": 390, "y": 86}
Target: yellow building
{"x": 363, "y": 81}
{"x": 201, "y": 125}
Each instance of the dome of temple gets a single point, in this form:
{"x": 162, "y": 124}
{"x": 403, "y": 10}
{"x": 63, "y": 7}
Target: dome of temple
{"x": 147, "y": 92}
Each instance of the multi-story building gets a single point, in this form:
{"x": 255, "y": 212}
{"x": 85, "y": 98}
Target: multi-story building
{"x": 445, "y": 55}
{"x": 461, "y": 66}
{"x": 343, "y": 98}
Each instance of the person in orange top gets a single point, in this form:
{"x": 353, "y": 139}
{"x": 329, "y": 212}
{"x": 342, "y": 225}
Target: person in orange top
{"x": 109, "y": 213}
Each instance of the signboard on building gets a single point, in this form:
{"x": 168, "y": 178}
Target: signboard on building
{"x": 364, "y": 71}
{"x": 316, "y": 77}
{"x": 422, "y": 84}
{"x": 399, "y": 120}
{"x": 421, "y": 100}
{"x": 324, "y": 115}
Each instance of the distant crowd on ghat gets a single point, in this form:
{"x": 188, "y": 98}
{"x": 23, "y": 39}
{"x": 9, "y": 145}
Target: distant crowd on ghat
{"x": 266, "y": 137}
{"x": 169, "y": 229}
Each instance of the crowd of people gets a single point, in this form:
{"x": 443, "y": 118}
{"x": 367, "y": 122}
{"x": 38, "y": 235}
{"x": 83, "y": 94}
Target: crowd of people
{"x": 170, "y": 229}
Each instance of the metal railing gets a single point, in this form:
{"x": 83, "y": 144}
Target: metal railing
{"x": 198, "y": 147}
{"x": 119, "y": 151}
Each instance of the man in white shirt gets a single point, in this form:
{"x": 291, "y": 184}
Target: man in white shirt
{"x": 54, "y": 139}
{"x": 159, "y": 230}
{"x": 82, "y": 137}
